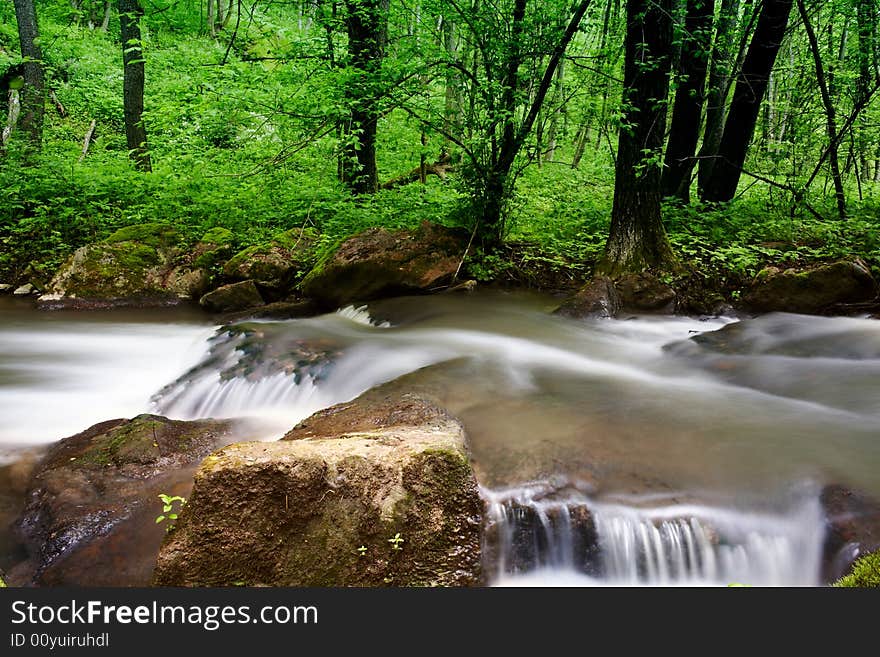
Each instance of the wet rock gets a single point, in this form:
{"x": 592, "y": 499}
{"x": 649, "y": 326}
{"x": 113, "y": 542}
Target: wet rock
{"x": 852, "y": 529}
{"x": 598, "y": 299}
{"x": 346, "y": 500}
{"x": 25, "y": 290}
{"x": 277, "y": 310}
{"x": 644, "y": 293}
{"x": 91, "y": 503}
{"x": 6, "y": 288}
{"x": 811, "y": 291}
{"x": 276, "y": 266}
{"x": 232, "y": 297}
{"x": 379, "y": 262}
{"x": 136, "y": 266}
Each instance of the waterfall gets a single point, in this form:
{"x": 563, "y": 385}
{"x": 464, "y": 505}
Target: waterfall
{"x": 534, "y": 534}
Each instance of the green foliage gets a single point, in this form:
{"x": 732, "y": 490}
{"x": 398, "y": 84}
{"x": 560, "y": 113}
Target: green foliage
{"x": 168, "y": 512}
{"x": 865, "y": 573}
{"x": 244, "y": 141}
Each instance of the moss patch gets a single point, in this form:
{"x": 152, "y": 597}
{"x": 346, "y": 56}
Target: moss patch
{"x": 865, "y": 573}
{"x": 218, "y": 235}
{"x": 156, "y": 235}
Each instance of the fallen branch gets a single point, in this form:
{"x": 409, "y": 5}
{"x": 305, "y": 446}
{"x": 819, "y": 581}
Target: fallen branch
{"x": 88, "y": 139}
{"x": 62, "y": 111}
{"x": 440, "y": 168}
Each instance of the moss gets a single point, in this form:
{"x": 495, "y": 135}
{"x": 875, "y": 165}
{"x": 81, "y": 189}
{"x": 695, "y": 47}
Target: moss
{"x": 865, "y": 573}
{"x": 241, "y": 257}
{"x": 218, "y": 235}
{"x": 296, "y": 238}
{"x": 157, "y": 235}
{"x": 2, "y": 583}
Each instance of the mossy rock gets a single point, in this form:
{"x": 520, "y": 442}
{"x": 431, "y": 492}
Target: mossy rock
{"x": 360, "y": 496}
{"x": 155, "y": 235}
{"x": 814, "y": 290}
{"x": 93, "y": 498}
{"x": 276, "y": 265}
{"x": 218, "y": 236}
{"x": 378, "y": 263}
{"x": 137, "y": 265}
{"x": 865, "y": 573}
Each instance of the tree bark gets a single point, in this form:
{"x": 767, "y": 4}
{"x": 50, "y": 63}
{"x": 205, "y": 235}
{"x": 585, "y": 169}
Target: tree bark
{"x": 367, "y": 23}
{"x": 130, "y": 12}
{"x": 720, "y": 71}
{"x": 689, "y": 99}
{"x": 32, "y": 95}
{"x": 637, "y": 240}
{"x": 751, "y": 84}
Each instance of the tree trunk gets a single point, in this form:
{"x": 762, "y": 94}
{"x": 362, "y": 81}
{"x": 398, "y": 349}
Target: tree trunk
{"x": 560, "y": 109}
{"x": 130, "y": 12}
{"x": 105, "y": 24}
{"x": 497, "y": 179}
{"x": 367, "y": 23}
{"x": 720, "y": 71}
{"x": 689, "y": 98}
{"x": 830, "y": 113}
{"x": 211, "y": 19}
{"x": 32, "y": 96}
{"x": 637, "y": 240}
{"x": 751, "y": 85}
{"x": 865, "y": 26}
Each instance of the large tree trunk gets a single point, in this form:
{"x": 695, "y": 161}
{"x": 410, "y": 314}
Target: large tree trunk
{"x": 689, "y": 98}
{"x": 720, "y": 71}
{"x": 130, "y": 12}
{"x": 637, "y": 240}
{"x": 33, "y": 95}
{"x": 751, "y": 84}
{"x": 366, "y": 22}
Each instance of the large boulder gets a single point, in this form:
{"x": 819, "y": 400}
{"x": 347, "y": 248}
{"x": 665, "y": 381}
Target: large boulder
{"x": 232, "y": 297}
{"x": 811, "y": 291}
{"x": 644, "y": 293}
{"x": 379, "y": 262}
{"x": 374, "y": 492}
{"x": 276, "y": 266}
{"x": 598, "y": 299}
{"x": 92, "y": 501}
{"x": 140, "y": 265}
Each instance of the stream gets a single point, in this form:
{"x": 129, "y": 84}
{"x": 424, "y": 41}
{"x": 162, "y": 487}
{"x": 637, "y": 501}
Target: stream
{"x": 648, "y": 450}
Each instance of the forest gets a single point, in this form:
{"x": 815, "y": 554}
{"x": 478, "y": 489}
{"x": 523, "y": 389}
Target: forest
{"x": 568, "y": 138}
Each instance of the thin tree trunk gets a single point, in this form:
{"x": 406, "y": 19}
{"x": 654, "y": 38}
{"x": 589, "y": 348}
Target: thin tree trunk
{"x": 720, "y": 70}
{"x": 130, "y": 12}
{"x": 87, "y": 140}
{"x": 751, "y": 85}
{"x": 211, "y": 20}
{"x": 32, "y": 95}
{"x": 865, "y": 26}
{"x": 830, "y": 113}
{"x": 689, "y": 98}
{"x": 105, "y": 24}
{"x": 512, "y": 139}
{"x": 637, "y": 240}
{"x": 559, "y": 108}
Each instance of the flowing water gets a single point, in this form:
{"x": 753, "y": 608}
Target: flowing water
{"x": 639, "y": 451}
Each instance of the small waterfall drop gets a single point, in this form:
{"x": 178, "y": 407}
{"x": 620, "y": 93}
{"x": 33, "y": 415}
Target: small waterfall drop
{"x": 536, "y": 536}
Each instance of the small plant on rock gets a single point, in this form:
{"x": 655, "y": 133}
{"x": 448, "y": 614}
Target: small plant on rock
{"x": 168, "y": 513}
